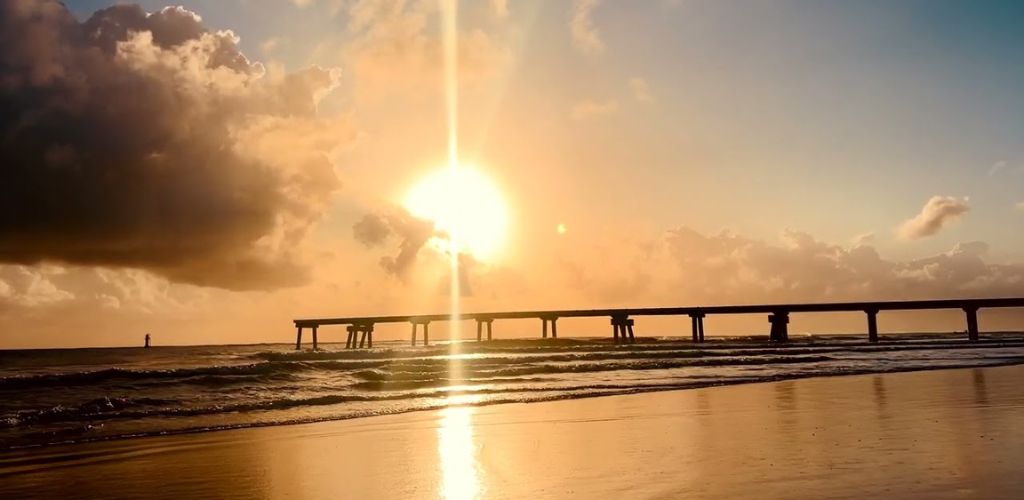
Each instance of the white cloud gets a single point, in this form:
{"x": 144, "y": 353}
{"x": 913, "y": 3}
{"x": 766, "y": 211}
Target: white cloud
{"x": 31, "y": 287}
{"x": 585, "y": 36}
{"x": 271, "y": 44}
{"x": 938, "y": 212}
{"x": 728, "y": 268}
{"x": 996, "y": 167}
{"x": 641, "y": 90}
{"x": 864, "y": 239}
{"x": 588, "y": 109}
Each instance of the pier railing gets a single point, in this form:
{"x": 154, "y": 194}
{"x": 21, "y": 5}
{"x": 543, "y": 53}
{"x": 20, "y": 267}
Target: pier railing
{"x": 360, "y": 328}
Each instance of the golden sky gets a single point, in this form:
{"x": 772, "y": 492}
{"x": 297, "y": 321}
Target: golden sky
{"x": 208, "y": 173}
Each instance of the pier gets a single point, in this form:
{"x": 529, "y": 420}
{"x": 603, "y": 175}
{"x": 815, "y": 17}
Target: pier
{"x": 360, "y": 329}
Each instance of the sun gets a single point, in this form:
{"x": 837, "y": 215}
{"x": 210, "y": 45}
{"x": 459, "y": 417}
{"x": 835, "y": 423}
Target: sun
{"x": 464, "y": 204}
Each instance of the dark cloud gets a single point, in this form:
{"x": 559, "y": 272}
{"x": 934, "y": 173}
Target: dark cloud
{"x": 147, "y": 140}
{"x": 414, "y": 234}
{"x": 371, "y": 230}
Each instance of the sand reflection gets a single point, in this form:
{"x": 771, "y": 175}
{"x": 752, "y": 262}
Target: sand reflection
{"x": 460, "y": 471}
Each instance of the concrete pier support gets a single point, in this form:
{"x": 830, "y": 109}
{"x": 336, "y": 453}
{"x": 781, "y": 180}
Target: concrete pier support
{"x": 314, "y": 338}
{"x": 780, "y": 326}
{"x": 544, "y": 326}
{"x": 622, "y": 329}
{"x": 697, "y": 325}
{"x": 426, "y": 332}
{"x": 872, "y": 325}
{"x": 298, "y": 338}
{"x": 351, "y": 336}
{"x": 479, "y": 330}
{"x": 489, "y": 328}
{"x": 972, "y": 323}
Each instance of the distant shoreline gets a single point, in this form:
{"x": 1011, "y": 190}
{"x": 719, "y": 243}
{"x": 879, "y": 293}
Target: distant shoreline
{"x": 795, "y": 338}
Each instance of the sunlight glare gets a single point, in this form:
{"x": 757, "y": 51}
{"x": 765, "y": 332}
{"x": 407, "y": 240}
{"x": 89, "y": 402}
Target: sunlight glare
{"x": 465, "y": 205}
{"x": 460, "y": 476}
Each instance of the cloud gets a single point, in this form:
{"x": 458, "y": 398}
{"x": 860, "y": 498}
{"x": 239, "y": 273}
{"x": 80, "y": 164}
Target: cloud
{"x": 392, "y": 48}
{"x": 371, "y": 230}
{"x": 585, "y": 36}
{"x": 413, "y": 233}
{"x": 272, "y": 44}
{"x": 589, "y": 109}
{"x": 28, "y": 287}
{"x": 726, "y": 267}
{"x": 996, "y": 167}
{"x": 147, "y": 140}
{"x": 641, "y": 91}
{"x": 864, "y": 239}
{"x": 936, "y": 214}
{"x": 500, "y": 8}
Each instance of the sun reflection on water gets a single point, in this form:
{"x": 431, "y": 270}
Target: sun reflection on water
{"x": 460, "y": 474}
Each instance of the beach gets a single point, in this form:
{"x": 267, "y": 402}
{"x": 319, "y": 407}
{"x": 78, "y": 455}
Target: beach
{"x": 928, "y": 434}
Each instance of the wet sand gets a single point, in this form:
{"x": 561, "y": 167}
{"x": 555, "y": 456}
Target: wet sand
{"x": 936, "y": 434}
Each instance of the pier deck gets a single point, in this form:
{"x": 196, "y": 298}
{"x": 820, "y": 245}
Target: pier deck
{"x": 360, "y": 328}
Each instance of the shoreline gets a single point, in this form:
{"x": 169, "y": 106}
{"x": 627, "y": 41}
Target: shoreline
{"x": 952, "y": 432}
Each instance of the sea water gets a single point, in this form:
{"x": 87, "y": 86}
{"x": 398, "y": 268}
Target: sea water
{"x": 76, "y": 395}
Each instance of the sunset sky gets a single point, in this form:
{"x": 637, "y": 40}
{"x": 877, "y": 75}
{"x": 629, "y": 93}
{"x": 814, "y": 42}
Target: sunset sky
{"x": 162, "y": 174}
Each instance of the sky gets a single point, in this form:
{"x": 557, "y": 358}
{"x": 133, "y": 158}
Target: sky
{"x": 208, "y": 172}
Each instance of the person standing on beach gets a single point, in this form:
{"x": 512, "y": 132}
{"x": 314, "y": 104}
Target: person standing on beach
{"x": 147, "y": 341}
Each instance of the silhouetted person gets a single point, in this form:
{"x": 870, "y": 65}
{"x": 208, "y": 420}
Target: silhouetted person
{"x": 147, "y": 341}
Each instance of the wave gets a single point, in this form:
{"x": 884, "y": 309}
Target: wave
{"x": 283, "y": 367}
{"x": 439, "y": 399}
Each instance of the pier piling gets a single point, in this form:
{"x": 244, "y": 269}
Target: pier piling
{"x": 972, "y": 323}
{"x": 360, "y": 329}
{"x": 622, "y": 329}
{"x": 872, "y": 325}
{"x": 780, "y": 328}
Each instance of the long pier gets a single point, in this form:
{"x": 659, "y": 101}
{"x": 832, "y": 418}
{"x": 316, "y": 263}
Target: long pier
{"x": 360, "y": 328}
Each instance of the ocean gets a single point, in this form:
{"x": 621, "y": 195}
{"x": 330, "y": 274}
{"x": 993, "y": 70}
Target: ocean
{"x": 77, "y": 395}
